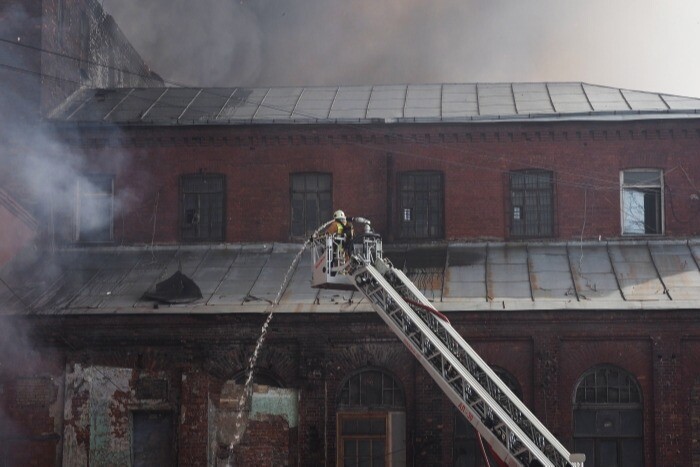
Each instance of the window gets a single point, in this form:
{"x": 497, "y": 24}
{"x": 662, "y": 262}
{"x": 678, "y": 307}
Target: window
{"x": 311, "y": 202}
{"x": 95, "y": 209}
{"x": 608, "y": 422}
{"x": 531, "y": 206}
{"x": 371, "y": 421}
{"x": 421, "y": 200}
{"x": 202, "y": 214}
{"x": 466, "y": 449}
{"x": 642, "y": 202}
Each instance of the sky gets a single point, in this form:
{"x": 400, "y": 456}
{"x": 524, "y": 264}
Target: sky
{"x": 648, "y": 45}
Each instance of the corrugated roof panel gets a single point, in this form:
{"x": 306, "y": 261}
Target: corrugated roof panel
{"x": 459, "y": 100}
{"x": 97, "y": 103}
{"x": 386, "y": 102}
{"x": 423, "y": 101}
{"x": 678, "y": 270}
{"x": 315, "y": 103}
{"x": 466, "y": 273}
{"x": 636, "y": 274}
{"x": 593, "y": 273}
{"x": 243, "y": 104}
{"x": 550, "y": 275}
{"x": 171, "y": 104}
{"x": 532, "y": 98}
{"x": 268, "y": 284}
{"x": 605, "y": 99}
{"x": 681, "y": 103}
{"x": 135, "y": 105}
{"x": 426, "y": 267}
{"x": 212, "y": 270}
{"x": 641, "y": 101}
{"x": 299, "y": 289}
{"x": 206, "y": 105}
{"x": 240, "y": 278}
{"x": 351, "y": 102}
{"x": 507, "y": 273}
{"x": 278, "y": 103}
{"x": 569, "y": 98}
{"x": 496, "y": 99}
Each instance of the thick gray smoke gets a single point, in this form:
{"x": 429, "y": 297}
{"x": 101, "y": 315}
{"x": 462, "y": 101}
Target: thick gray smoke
{"x": 626, "y": 43}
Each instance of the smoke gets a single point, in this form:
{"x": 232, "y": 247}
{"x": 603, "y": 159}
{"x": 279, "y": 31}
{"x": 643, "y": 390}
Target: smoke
{"x": 43, "y": 167}
{"x": 628, "y": 43}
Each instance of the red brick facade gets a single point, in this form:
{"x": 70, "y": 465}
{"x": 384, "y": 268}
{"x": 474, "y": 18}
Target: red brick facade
{"x": 364, "y": 161}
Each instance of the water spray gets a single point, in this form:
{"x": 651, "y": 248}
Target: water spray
{"x": 246, "y": 397}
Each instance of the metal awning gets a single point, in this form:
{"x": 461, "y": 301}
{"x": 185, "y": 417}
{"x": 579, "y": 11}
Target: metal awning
{"x": 235, "y": 278}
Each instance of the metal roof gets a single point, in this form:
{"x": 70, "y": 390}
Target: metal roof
{"x": 370, "y": 104}
{"x": 235, "y": 278}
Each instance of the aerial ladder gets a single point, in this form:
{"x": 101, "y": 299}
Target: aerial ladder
{"x": 515, "y": 436}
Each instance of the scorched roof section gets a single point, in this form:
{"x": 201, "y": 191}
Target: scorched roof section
{"x": 371, "y": 104}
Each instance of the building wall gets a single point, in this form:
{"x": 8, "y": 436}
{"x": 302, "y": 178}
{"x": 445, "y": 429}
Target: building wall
{"x": 87, "y": 50}
{"x": 546, "y": 352}
{"x": 365, "y": 161}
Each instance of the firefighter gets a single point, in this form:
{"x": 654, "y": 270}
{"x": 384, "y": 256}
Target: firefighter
{"x": 341, "y": 227}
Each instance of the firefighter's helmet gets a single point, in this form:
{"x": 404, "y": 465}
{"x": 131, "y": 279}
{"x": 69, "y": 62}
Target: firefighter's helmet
{"x": 339, "y": 215}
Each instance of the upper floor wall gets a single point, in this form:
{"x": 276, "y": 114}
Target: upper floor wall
{"x": 416, "y": 182}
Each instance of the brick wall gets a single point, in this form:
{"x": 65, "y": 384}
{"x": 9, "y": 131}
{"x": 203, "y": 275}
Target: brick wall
{"x": 586, "y": 160}
{"x": 545, "y": 352}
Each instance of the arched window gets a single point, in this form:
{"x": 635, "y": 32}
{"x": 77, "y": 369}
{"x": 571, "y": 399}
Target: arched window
{"x": 371, "y": 420}
{"x": 465, "y": 448}
{"x": 608, "y": 421}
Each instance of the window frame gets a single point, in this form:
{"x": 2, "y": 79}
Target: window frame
{"x": 342, "y": 437}
{"x": 182, "y": 207}
{"x": 540, "y": 212}
{"x": 604, "y": 415}
{"x": 82, "y": 236}
{"x": 292, "y": 192}
{"x": 391, "y": 408}
{"x": 402, "y": 207}
{"x": 632, "y": 186}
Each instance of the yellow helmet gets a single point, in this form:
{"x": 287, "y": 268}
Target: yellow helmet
{"x": 339, "y": 215}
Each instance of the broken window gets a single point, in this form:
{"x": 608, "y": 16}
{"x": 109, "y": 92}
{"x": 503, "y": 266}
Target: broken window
{"x": 311, "y": 202}
{"x": 371, "y": 420}
{"x": 531, "y": 195}
{"x": 95, "y": 210}
{"x": 202, "y": 215}
{"x": 608, "y": 420}
{"x": 421, "y": 205}
{"x": 466, "y": 447}
{"x": 153, "y": 441}
{"x": 642, "y": 202}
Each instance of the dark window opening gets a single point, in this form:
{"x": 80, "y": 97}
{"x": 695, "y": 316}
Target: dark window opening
{"x": 421, "y": 198}
{"x": 95, "y": 211}
{"x": 531, "y": 201}
{"x": 311, "y": 202}
{"x": 153, "y": 439}
{"x": 203, "y": 208}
